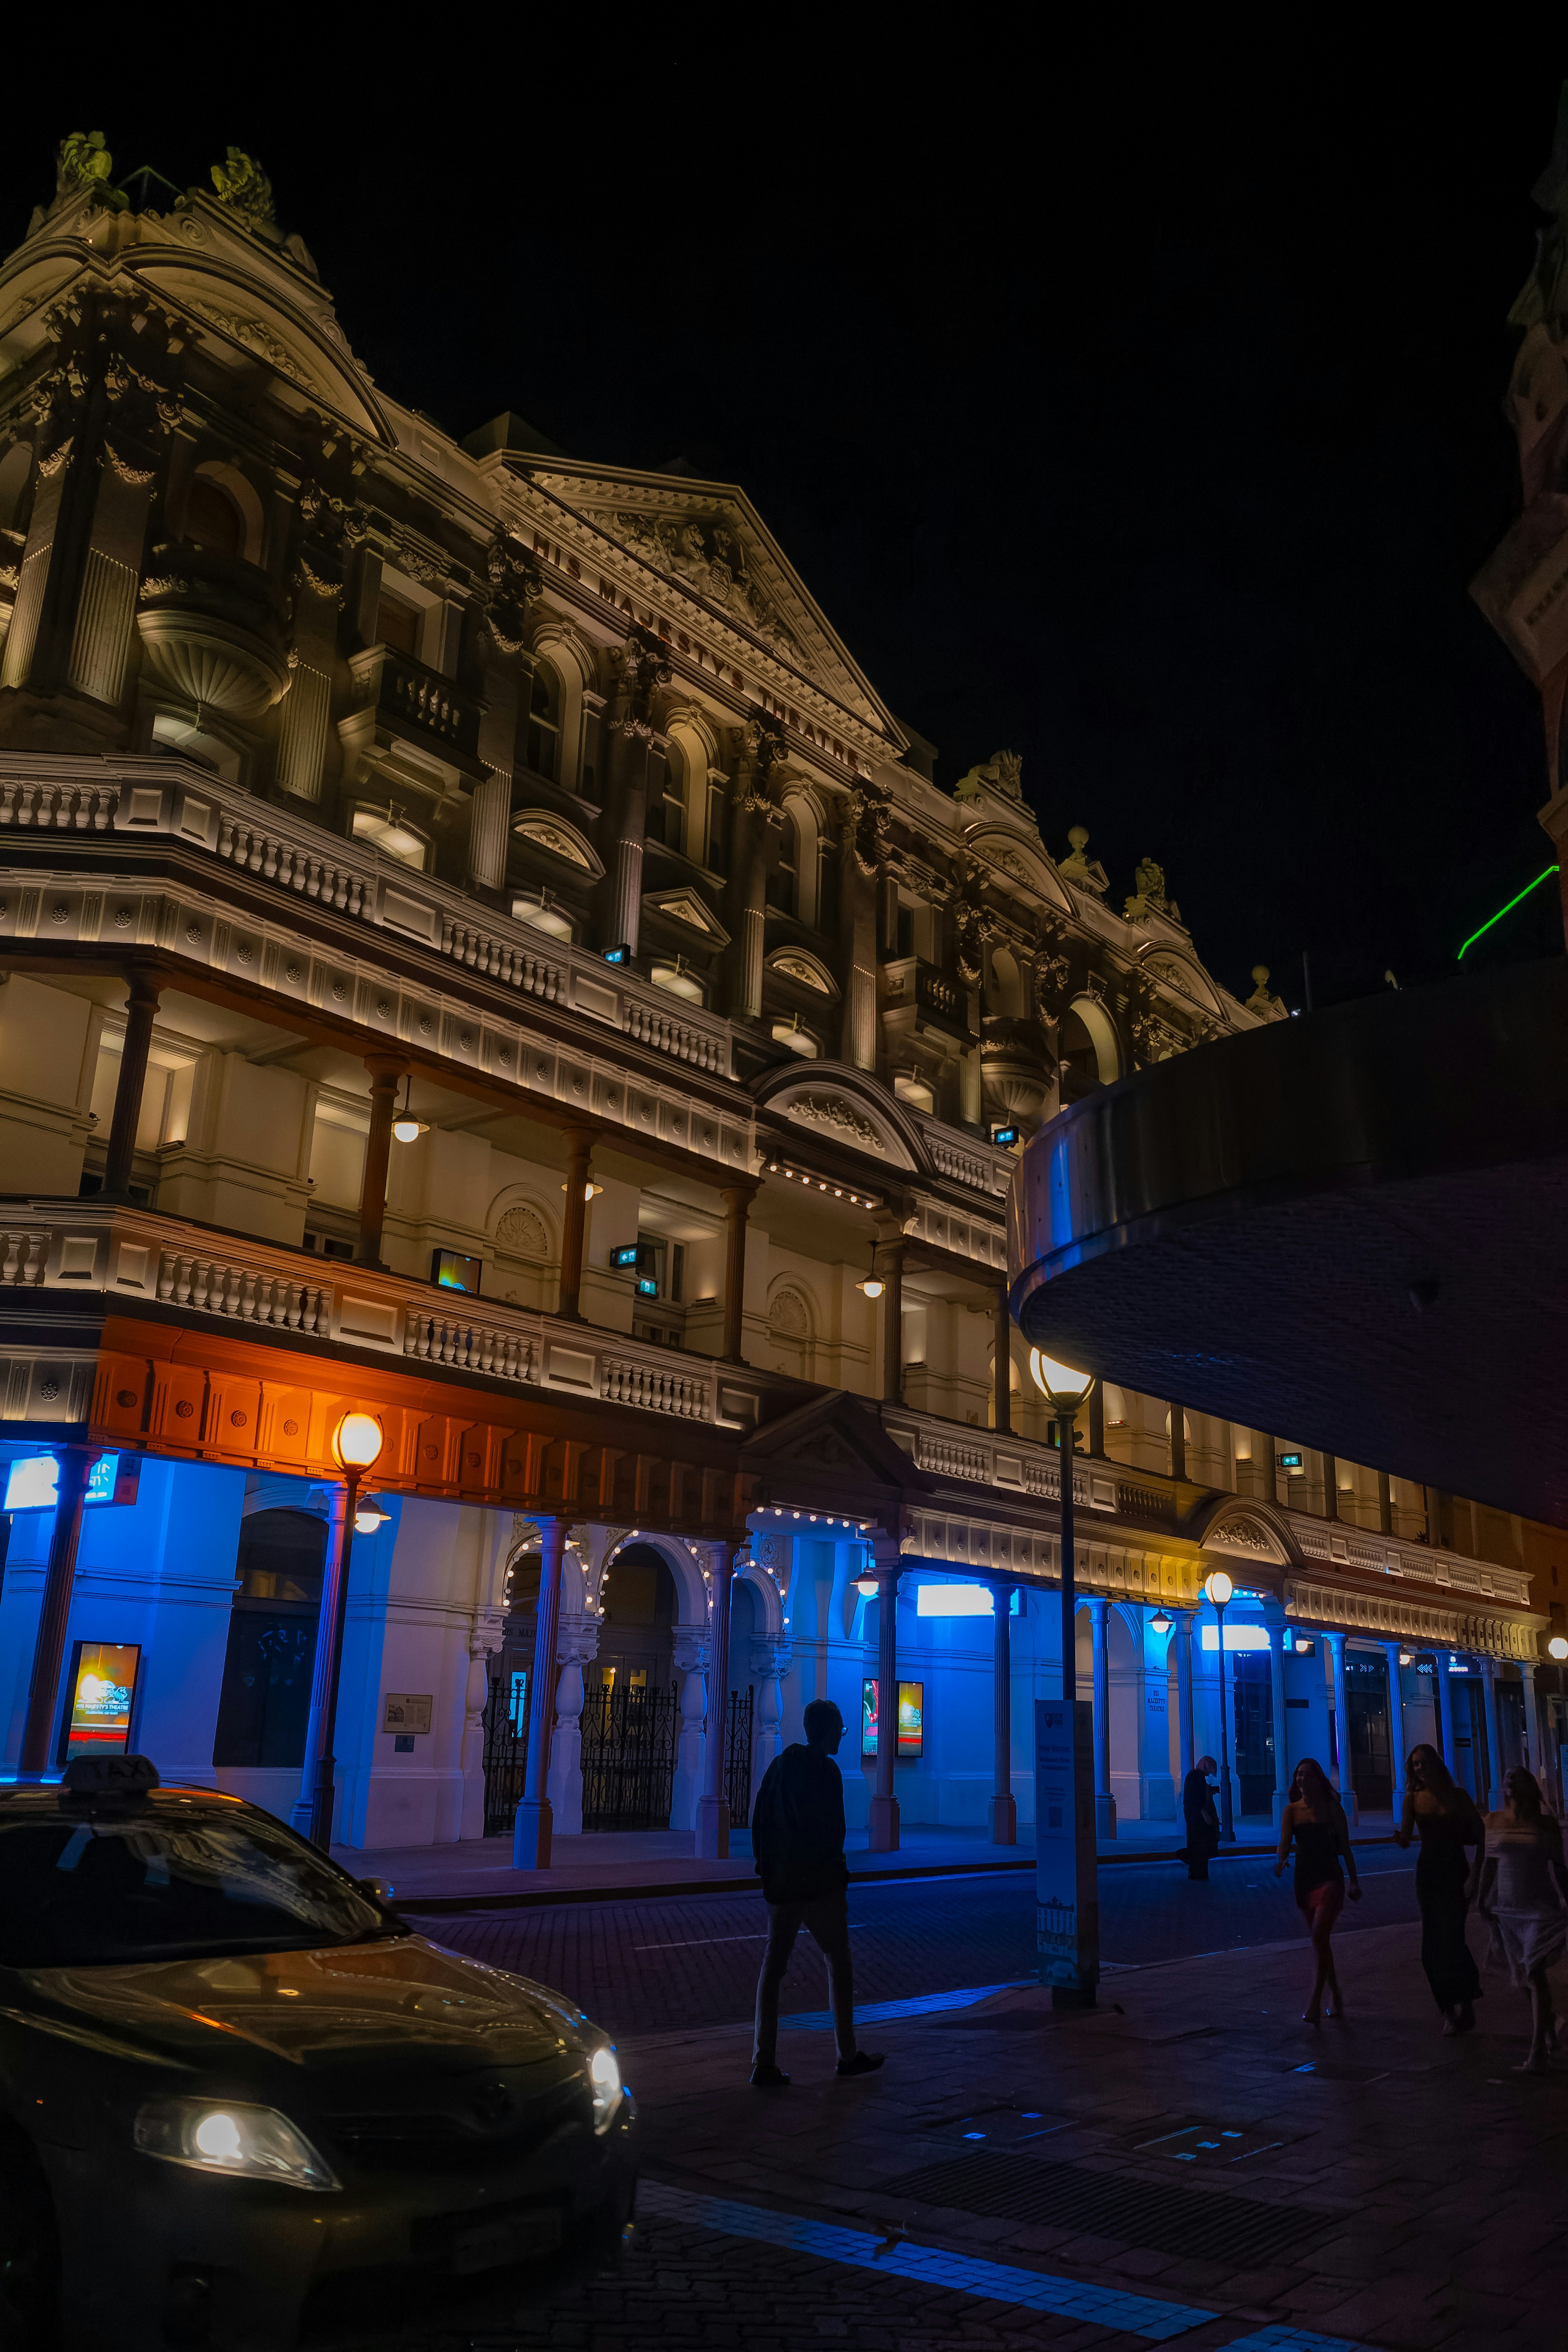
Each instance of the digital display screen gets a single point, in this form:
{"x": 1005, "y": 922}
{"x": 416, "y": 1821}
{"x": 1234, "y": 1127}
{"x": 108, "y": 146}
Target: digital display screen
{"x": 32, "y": 1483}
{"x": 453, "y": 1271}
{"x": 103, "y": 1694}
{"x": 911, "y": 1720}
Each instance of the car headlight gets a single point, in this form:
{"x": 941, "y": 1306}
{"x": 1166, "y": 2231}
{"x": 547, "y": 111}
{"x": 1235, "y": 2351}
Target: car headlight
{"x": 605, "y": 2081}
{"x": 223, "y": 2135}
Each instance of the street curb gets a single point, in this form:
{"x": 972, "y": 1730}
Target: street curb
{"x": 438, "y": 1905}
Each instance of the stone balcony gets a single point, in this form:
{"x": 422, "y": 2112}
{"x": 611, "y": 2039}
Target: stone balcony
{"x": 149, "y": 798}
{"x": 115, "y": 1259}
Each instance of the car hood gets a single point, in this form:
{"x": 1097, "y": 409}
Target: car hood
{"x": 334, "y": 2008}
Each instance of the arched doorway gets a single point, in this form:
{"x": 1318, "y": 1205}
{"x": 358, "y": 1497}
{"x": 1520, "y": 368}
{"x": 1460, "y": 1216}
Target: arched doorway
{"x": 631, "y": 1719}
{"x": 264, "y": 1707}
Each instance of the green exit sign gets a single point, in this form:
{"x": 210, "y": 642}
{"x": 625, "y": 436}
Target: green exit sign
{"x": 1291, "y": 1461}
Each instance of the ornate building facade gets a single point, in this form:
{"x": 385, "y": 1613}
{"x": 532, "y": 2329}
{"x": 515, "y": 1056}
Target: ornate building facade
{"x": 477, "y": 948}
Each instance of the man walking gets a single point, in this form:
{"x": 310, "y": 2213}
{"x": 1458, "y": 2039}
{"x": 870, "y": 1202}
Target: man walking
{"x": 1203, "y": 1821}
{"x": 797, "y": 1840}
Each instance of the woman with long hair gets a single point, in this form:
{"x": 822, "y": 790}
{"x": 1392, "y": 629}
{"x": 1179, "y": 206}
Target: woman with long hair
{"x": 1444, "y": 1817}
{"x": 1316, "y": 1819}
{"x": 1524, "y": 1894}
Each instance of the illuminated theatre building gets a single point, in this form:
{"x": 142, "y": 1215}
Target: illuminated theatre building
{"x": 351, "y": 774}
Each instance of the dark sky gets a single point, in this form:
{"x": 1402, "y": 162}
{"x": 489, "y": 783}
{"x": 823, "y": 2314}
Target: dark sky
{"x": 1137, "y": 409}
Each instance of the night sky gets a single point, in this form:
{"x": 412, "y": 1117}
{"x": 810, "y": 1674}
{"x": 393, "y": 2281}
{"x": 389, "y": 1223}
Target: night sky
{"x": 1138, "y": 411}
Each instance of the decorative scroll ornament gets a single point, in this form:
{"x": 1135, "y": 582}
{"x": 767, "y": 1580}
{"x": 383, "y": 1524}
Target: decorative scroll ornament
{"x": 761, "y": 750}
{"x": 50, "y": 466}
{"x": 137, "y": 477}
{"x": 243, "y": 187}
{"x": 867, "y": 816}
{"x": 515, "y": 582}
{"x": 970, "y": 922}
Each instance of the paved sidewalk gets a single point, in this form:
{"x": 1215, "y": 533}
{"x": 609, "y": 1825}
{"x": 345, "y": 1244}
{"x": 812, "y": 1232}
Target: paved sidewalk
{"x": 612, "y": 1866}
{"x": 1190, "y": 2141}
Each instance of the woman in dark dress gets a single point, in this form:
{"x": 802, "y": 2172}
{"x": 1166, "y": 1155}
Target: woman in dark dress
{"x": 1316, "y": 1819}
{"x": 1444, "y": 1817}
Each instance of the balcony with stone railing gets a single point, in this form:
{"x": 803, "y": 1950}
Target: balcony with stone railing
{"x": 118, "y": 1257}
{"x": 1021, "y": 1467}
{"x": 146, "y": 798}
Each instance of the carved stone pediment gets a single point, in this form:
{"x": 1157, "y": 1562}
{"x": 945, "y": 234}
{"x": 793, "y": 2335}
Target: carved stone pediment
{"x": 543, "y": 829}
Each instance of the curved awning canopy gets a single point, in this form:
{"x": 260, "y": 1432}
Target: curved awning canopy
{"x": 1346, "y": 1229}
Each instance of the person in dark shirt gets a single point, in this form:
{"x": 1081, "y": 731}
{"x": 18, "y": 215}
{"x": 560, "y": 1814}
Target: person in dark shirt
{"x": 1201, "y": 1820}
{"x": 797, "y": 1841}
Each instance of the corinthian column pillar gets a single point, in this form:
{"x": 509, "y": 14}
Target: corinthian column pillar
{"x": 713, "y": 1805}
{"x": 689, "y": 1656}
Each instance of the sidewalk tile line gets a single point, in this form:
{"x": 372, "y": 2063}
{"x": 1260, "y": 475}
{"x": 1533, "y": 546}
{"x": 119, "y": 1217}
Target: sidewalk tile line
{"x": 1292, "y": 2339}
{"x": 884, "y": 2012}
{"x": 1025, "y": 2290}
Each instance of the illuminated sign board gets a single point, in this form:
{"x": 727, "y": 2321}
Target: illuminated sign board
{"x": 647, "y": 1287}
{"x": 911, "y": 1720}
{"x": 625, "y": 1256}
{"x": 32, "y": 1483}
{"x": 954, "y": 1601}
{"x": 101, "y": 1695}
{"x": 1291, "y": 1461}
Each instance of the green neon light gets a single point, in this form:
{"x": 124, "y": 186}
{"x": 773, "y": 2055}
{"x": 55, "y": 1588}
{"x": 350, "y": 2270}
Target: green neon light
{"x": 1503, "y": 910}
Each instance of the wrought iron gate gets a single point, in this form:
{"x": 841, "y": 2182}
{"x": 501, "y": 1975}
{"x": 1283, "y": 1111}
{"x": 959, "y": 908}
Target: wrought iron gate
{"x": 629, "y": 1735}
{"x": 506, "y": 1754}
{"x": 738, "y": 1757}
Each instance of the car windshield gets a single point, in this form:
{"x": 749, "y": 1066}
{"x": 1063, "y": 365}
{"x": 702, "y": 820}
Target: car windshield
{"x": 158, "y": 1882}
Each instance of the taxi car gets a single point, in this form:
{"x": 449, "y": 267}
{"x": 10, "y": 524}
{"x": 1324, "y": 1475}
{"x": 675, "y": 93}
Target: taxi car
{"x": 244, "y": 2105}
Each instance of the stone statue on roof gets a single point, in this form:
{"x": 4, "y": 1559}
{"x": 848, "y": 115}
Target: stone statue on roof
{"x": 84, "y": 163}
{"x": 243, "y": 187}
{"x": 1003, "y": 772}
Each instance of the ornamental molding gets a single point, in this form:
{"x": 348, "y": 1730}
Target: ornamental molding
{"x": 544, "y": 830}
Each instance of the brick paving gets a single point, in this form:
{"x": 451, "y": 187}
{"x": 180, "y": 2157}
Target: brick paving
{"x": 776, "y": 2222}
{"x": 644, "y": 1967}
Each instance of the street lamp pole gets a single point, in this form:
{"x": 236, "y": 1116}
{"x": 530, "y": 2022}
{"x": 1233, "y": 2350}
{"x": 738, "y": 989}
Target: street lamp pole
{"x": 357, "y": 1442}
{"x": 1219, "y": 1590}
{"x": 1066, "y": 1391}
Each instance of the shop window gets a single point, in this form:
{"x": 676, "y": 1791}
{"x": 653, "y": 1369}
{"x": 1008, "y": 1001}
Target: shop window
{"x": 265, "y": 1706}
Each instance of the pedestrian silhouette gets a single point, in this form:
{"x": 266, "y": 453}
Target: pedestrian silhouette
{"x": 1523, "y": 1889}
{"x": 1201, "y": 1820}
{"x": 797, "y": 1841}
{"x": 1315, "y": 1819}
{"x": 1443, "y": 1815}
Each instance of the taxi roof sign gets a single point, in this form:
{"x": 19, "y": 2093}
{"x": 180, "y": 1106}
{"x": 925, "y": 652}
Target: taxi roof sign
{"x": 110, "y": 1776}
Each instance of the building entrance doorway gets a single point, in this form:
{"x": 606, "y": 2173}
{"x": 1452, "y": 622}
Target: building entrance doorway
{"x": 1252, "y": 1687}
{"x": 1371, "y": 1756}
{"x": 264, "y": 1707}
{"x": 631, "y": 1719}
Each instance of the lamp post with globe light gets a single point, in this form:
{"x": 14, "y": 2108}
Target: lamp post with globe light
{"x": 1219, "y": 1590}
{"x": 1067, "y": 1393}
{"x": 357, "y": 1442}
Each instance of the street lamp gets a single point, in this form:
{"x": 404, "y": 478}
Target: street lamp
{"x": 1066, "y": 1393}
{"x": 357, "y": 1442}
{"x": 1159, "y": 1622}
{"x": 1219, "y": 1590}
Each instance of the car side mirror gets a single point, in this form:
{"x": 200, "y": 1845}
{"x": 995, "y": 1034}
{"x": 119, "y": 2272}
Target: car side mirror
{"x": 379, "y": 1889}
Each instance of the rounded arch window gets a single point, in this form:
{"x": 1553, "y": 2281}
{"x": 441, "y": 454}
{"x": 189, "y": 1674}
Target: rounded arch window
{"x": 213, "y": 518}
{"x": 910, "y": 1089}
{"x": 541, "y": 746}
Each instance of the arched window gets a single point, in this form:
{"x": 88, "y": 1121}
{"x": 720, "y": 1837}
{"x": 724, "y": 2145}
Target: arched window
{"x": 213, "y": 519}
{"x": 796, "y": 885}
{"x": 542, "y": 749}
{"x": 1003, "y": 985}
{"x": 783, "y": 879}
{"x": 1086, "y": 1049}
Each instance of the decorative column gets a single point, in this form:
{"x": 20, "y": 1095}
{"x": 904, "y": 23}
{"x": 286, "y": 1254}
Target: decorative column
{"x": 1336, "y": 1643}
{"x": 1004, "y": 1808}
{"x": 713, "y": 1805}
{"x": 1279, "y": 1651}
{"x": 884, "y": 1548}
{"x": 1535, "y": 1756}
{"x": 141, "y": 1012}
{"x": 576, "y": 1645}
{"x": 1181, "y": 1635}
{"x": 737, "y": 1199}
{"x": 1492, "y": 1715}
{"x": 771, "y": 1660}
{"x": 575, "y": 1224}
{"x": 1003, "y": 1415}
{"x": 484, "y": 1641}
{"x": 643, "y": 663}
{"x": 755, "y": 826}
{"x": 532, "y": 1828}
{"x": 887, "y": 1261}
{"x": 1395, "y": 1723}
{"x": 1385, "y": 1504}
{"x": 302, "y": 1812}
{"x": 1178, "y": 1441}
{"x": 54, "y": 1613}
{"x": 386, "y": 1075}
{"x": 1446, "y": 1710}
{"x": 1099, "y": 1619}
{"x": 691, "y": 1657}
